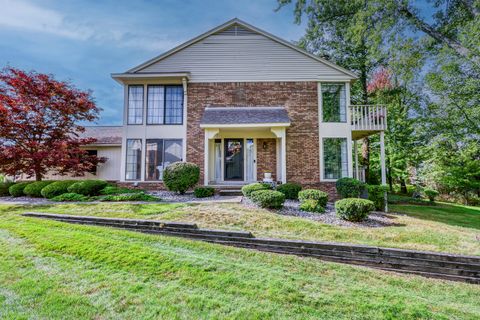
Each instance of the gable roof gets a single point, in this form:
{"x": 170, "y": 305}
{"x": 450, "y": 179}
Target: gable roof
{"x": 245, "y": 26}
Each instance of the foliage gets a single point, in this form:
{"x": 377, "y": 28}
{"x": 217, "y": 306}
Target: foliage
{"x": 204, "y": 192}
{"x": 311, "y": 205}
{"x": 181, "y": 176}
{"x": 268, "y": 198}
{"x": 349, "y": 187}
{"x": 399, "y": 199}
{"x": 376, "y": 194}
{"x": 431, "y": 194}
{"x": 57, "y": 188}
{"x": 118, "y": 190}
{"x": 4, "y": 186}
{"x": 290, "y": 190}
{"x": 88, "y": 187}
{"x": 40, "y": 128}
{"x": 139, "y": 196}
{"x": 354, "y": 209}
{"x": 313, "y": 200}
{"x": 70, "y": 196}
{"x": 34, "y": 189}
{"x": 16, "y": 190}
{"x": 252, "y": 187}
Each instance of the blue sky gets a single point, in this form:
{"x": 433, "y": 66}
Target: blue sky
{"x": 84, "y": 41}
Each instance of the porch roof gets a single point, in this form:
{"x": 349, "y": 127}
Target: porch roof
{"x": 244, "y": 116}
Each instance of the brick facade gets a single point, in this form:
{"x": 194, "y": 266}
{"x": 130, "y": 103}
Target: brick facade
{"x": 266, "y": 158}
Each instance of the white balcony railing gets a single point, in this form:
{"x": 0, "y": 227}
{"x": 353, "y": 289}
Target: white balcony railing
{"x": 368, "y": 117}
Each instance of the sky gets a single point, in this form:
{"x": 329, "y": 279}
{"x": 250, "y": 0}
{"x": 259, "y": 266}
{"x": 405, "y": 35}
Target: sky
{"x": 85, "y": 41}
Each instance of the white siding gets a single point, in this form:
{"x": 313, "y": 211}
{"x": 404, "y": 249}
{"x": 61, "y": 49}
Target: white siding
{"x": 226, "y": 58}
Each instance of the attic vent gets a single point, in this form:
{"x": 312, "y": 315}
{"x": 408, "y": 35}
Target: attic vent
{"x": 236, "y": 30}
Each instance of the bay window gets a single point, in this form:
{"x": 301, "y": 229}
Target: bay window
{"x": 135, "y": 105}
{"x": 134, "y": 159}
{"x": 335, "y": 158}
{"x": 159, "y": 154}
{"x": 334, "y": 106}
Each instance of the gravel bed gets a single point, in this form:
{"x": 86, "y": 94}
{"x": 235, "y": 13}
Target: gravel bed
{"x": 24, "y": 200}
{"x": 168, "y": 196}
{"x": 291, "y": 208}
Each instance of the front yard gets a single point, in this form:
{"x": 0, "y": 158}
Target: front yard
{"x": 55, "y": 270}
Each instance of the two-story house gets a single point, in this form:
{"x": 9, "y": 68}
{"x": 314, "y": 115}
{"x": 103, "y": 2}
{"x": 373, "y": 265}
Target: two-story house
{"x": 240, "y": 102}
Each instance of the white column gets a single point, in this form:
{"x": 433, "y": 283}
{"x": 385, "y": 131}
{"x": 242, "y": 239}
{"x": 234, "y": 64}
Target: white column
{"x": 284, "y": 158}
{"x": 382, "y": 163}
{"x": 355, "y": 150}
{"x": 185, "y": 104}
{"x": 205, "y": 164}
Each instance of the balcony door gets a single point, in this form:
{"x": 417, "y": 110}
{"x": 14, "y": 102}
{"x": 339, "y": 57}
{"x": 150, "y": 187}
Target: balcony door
{"x": 233, "y": 160}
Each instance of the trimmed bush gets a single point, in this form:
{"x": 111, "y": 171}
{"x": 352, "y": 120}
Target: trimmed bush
{"x": 118, "y": 190}
{"x": 70, "y": 196}
{"x": 431, "y": 194}
{"x": 181, "y": 176}
{"x": 353, "y": 209}
{"x": 376, "y": 194}
{"x": 88, "y": 187}
{"x": 313, "y": 200}
{"x": 290, "y": 190}
{"x": 140, "y": 196}
{"x": 57, "y": 188}
{"x": 4, "y": 188}
{"x": 34, "y": 189}
{"x": 252, "y": 187}
{"x": 349, "y": 187}
{"x": 268, "y": 198}
{"x": 204, "y": 192}
{"x": 16, "y": 190}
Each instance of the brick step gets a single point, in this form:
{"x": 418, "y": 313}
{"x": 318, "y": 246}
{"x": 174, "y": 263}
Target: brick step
{"x": 230, "y": 192}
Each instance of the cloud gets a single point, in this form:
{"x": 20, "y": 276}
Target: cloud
{"x": 27, "y": 16}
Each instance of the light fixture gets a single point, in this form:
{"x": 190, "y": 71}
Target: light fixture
{"x": 264, "y": 146}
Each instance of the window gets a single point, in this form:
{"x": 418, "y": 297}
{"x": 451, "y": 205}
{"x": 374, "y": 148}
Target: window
{"x": 164, "y": 104}
{"x": 134, "y": 158}
{"x": 93, "y": 170}
{"x": 334, "y": 108}
{"x": 160, "y": 153}
{"x": 335, "y": 161}
{"x": 135, "y": 105}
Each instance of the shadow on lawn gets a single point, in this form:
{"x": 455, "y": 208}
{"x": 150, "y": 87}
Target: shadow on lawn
{"x": 451, "y": 214}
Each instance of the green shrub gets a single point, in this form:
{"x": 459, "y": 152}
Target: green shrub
{"x": 34, "y": 189}
{"x": 349, "y": 187}
{"x": 203, "y": 192}
{"x": 16, "y": 190}
{"x": 57, "y": 188}
{"x": 311, "y": 205}
{"x": 353, "y": 209}
{"x": 376, "y": 194}
{"x": 313, "y": 200}
{"x": 118, "y": 190}
{"x": 252, "y": 187}
{"x": 88, "y": 187}
{"x": 4, "y": 188}
{"x": 181, "y": 176}
{"x": 70, "y": 196}
{"x": 268, "y": 198}
{"x": 139, "y": 196}
{"x": 290, "y": 190}
{"x": 431, "y": 194}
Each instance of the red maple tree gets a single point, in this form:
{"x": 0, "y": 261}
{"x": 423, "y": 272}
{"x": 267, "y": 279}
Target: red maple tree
{"x": 39, "y": 125}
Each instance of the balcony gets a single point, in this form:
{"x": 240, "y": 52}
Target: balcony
{"x": 367, "y": 120}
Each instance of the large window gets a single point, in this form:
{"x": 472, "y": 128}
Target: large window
{"x": 135, "y": 105}
{"x": 165, "y": 104}
{"x": 334, "y": 108}
{"x": 160, "y": 153}
{"x": 134, "y": 159}
{"x": 335, "y": 163}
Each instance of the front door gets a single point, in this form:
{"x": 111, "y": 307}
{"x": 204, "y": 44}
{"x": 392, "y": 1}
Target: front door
{"x": 233, "y": 159}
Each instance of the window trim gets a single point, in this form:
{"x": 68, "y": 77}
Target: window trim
{"x": 128, "y": 103}
{"x": 322, "y": 167}
{"x": 344, "y": 84}
{"x": 126, "y": 158}
{"x": 163, "y": 153}
{"x": 165, "y": 105}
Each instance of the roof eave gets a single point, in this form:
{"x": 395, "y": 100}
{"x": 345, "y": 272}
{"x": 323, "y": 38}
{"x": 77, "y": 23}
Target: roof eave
{"x": 244, "y": 125}
{"x": 123, "y": 77}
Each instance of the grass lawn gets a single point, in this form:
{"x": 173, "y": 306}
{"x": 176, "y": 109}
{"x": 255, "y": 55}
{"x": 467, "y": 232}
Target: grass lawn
{"x": 54, "y": 270}
{"x": 442, "y": 227}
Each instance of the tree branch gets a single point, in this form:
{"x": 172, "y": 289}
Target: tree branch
{"x": 471, "y": 7}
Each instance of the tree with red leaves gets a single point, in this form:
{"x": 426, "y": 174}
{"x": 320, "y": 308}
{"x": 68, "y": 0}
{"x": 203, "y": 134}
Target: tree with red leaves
{"x": 39, "y": 125}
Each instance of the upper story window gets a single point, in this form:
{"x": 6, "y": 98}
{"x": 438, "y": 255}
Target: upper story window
{"x": 164, "y": 104}
{"x": 135, "y": 105}
{"x": 334, "y": 106}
